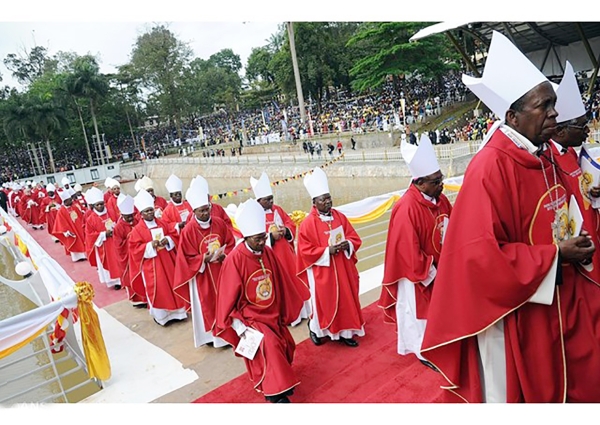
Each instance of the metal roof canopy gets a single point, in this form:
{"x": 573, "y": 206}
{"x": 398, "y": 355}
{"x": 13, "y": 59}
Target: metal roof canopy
{"x": 547, "y": 44}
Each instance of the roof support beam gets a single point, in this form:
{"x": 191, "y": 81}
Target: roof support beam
{"x": 509, "y": 33}
{"x": 562, "y": 68}
{"x": 465, "y": 57}
{"x": 586, "y": 44}
{"x": 546, "y": 57}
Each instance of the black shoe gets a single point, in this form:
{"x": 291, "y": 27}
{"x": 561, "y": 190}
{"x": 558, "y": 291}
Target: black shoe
{"x": 117, "y": 287}
{"x": 313, "y": 336}
{"x": 349, "y": 342}
{"x": 430, "y": 365}
{"x": 144, "y": 305}
{"x": 279, "y": 398}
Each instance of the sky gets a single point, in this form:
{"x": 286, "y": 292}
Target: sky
{"x": 113, "y": 41}
{"x": 110, "y": 28}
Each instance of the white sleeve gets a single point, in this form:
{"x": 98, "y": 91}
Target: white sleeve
{"x": 238, "y": 326}
{"x": 324, "y": 260}
{"x": 545, "y": 292}
{"x": 348, "y": 254}
{"x": 150, "y": 252}
{"x": 101, "y": 239}
{"x": 430, "y": 276}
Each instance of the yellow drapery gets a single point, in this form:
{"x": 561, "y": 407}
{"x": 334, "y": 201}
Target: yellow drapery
{"x": 91, "y": 335}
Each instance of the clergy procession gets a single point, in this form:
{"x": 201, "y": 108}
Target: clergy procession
{"x": 499, "y": 294}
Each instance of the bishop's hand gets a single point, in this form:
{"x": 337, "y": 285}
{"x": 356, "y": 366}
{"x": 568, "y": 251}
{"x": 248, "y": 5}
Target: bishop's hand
{"x": 577, "y": 249}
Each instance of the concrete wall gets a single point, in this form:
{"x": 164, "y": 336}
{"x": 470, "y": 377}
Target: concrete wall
{"x": 392, "y": 168}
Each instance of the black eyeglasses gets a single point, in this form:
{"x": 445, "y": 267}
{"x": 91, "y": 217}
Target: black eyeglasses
{"x": 435, "y": 182}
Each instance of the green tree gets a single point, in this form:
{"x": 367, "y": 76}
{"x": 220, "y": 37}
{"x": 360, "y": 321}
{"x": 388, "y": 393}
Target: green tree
{"x": 390, "y": 53}
{"x": 159, "y": 58}
{"x": 86, "y": 82}
{"x": 29, "y": 66}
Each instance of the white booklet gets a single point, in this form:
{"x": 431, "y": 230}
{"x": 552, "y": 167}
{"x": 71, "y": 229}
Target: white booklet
{"x": 336, "y": 236}
{"x": 157, "y": 234}
{"x": 249, "y": 343}
{"x": 575, "y": 218}
{"x": 217, "y": 253}
{"x": 590, "y": 169}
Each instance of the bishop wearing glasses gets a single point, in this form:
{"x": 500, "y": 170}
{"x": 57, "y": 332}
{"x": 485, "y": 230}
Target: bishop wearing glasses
{"x": 413, "y": 247}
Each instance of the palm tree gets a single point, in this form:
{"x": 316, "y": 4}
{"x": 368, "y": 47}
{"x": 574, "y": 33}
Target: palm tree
{"x": 48, "y": 118}
{"x": 69, "y": 88}
{"x": 18, "y": 124}
{"x": 87, "y": 82}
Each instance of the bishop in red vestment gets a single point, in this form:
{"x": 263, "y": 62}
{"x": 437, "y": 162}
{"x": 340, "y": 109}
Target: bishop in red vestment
{"x": 99, "y": 241}
{"x": 178, "y": 210}
{"x": 251, "y": 296}
{"x": 327, "y": 245}
{"x": 152, "y": 257}
{"x": 507, "y": 322}
{"x": 122, "y": 230}
{"x": 203, "y": 246}
{"x": 49, "y": 208}
{"x": 281, "y": 231}
{"x": 67, "y": 227}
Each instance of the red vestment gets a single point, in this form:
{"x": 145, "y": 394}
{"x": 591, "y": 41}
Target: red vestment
{"x": 413, "y": 245}
{"x": 253, "y": 293}
{"x": 121, "y": 234}
{"x": 96, "y": 224}
{"x": 337, "y": 286}
{"x": 284, "y": 248}
{"x": 218, "y": 211}
{"x": 194, "y": 243}
{"x": 160, "y": 204}
{"x": 48, "y": 211}
{"x": 110, "y": 202}
{"x": 69, "y": 219}
{"x": 499, "y": 247}
{"x": 157, "y": 272}
{"x": 30, "y": 209}
{"x": 569, "y": 164}
{"x": 175, "y": 214}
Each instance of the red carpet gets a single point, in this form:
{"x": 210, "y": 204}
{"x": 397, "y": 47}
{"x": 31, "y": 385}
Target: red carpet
{"x": 335, "y": 373}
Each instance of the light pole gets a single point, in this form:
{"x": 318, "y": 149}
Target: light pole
{"x": 290, "y": 29}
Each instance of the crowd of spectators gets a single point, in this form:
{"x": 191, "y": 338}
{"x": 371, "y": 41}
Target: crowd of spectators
{"x": 399, "y": 104}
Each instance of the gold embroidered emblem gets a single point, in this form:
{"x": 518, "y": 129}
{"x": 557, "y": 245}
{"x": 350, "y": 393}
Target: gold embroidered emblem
{"x": 264, "y": 289}
{"x": 108, "y": 224}
{"x": 561, "y": 229}
{"x": 214, "y": 246}
{"x": 74, "y": 216}
{"x": 585, "y": 184}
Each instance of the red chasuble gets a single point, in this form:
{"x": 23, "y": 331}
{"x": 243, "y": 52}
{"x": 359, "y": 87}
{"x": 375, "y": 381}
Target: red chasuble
{"x": 96, "y": 224}
{"x": 49, "y": 216}
{"x": 121, "y": 234}
{"x": 499, "y": 246}
{"x": 254, "y": 294}
{"x": 160, "y": 204}
{"x": 283, "y": 248}
{"x": 194, "y": 243}
{"x": 69, "y": 219}
{"x": 30, "y": 213}
{"x": 157, "y": 272}
{"x": 336, "y": 286}
{"x": 175, "y": 214}
{"x": 413, "y": 244}
{"x": 110, "y": 201}
{"x": 218, "y": 211}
